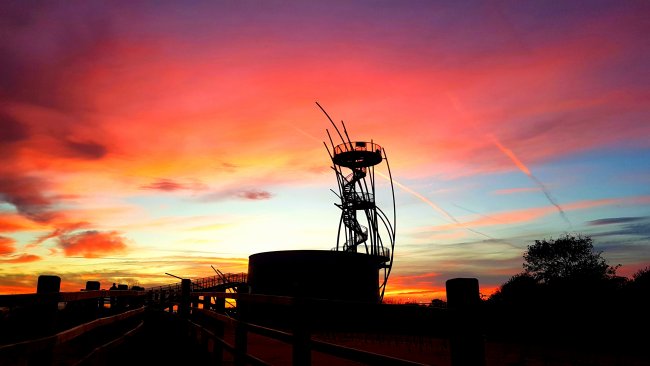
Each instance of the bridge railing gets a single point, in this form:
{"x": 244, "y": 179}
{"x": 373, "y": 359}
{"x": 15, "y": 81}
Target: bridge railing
{"x": 291, "y": 322}
{"x": 295, "y": 321}
{"x": 221, "y": 322}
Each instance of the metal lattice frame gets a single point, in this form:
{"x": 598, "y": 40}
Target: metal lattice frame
{"x": 354, "y": 164}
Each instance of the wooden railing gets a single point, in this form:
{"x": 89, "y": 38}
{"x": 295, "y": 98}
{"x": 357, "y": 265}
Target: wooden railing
{"x": 294, "y": 320}
{"x": 48, "y": 330}
{"x": 221, "y": 322}
{"x": 210, "y": 320}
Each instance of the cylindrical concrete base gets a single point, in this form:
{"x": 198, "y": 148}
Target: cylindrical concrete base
{"x": 316, "y": 273}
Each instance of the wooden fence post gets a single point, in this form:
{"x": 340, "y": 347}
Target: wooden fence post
{"x": 44, "y": 317}
{"x": 186, "y": 289}
{"x": 466, "y": 341}
{"x": 92, "y": 307}
{"x": 241, "y": 333}
{"x": 161, "y": 299}
{"x": 219, "y": 329}
{"x": 301, "y": 349}
{"x": 47, "y": 311}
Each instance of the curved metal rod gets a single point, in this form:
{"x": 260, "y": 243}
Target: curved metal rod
{"x": 331, "y": 142}
{"x": 387, "y": 223}
{"x": 392, "y": 188}
{"x": 328, "y": 117}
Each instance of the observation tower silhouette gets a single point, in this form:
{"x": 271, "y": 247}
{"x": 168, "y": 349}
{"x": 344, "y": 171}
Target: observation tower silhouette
{"x": 354, "y": 164}
{"x": 357, "y": 268}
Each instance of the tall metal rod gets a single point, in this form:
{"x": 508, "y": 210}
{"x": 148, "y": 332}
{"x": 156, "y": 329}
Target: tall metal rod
{"x": 392, "y": 189}
{"x": 169, "y": 274}
{"x": 331, "y": 142}
{"x": 346, "y": 133}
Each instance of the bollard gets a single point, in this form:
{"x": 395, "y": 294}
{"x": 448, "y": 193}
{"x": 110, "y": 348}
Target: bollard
{"x": 466, "y": 341}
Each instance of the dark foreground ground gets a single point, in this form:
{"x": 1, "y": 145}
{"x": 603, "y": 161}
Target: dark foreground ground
{"x": 156, "y": 345}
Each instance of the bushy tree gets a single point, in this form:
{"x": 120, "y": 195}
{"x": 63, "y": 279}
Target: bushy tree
{"x": 639, "y": 286}
{"x": 570, "y": 257}
{"x": 641, "y": 278}
{"x": 520, "y": 289}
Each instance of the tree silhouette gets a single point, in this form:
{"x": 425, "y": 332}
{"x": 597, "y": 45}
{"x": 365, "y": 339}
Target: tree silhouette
{"x": 520, "y": 290}
{"x": 641, "y": 278}
{"x": 567, "y": 293}
{"x": 570, "y": 257}
{"x": 638, "y": 288}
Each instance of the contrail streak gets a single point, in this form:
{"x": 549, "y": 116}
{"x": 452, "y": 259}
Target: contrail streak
{"x": 509, "y": 153}
{"x": 433, "y": 205}
{"x": 526, "y": 171}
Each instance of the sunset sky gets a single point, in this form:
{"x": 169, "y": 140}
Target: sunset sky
{"x": 138, "y": 138}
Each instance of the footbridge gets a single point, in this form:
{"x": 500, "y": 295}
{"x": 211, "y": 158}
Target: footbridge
{"x": 210, "y": 320}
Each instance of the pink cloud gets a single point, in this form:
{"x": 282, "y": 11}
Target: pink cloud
{"x": 255, "y": 195}
{"x": 25, "y": 193}
{"x": 169, "y": 185}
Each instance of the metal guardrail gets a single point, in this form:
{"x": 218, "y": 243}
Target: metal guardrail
{"x": 357, "y": 146}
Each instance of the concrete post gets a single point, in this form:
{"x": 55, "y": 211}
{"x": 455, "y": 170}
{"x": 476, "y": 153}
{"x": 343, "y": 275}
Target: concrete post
{"x": 466, "y": 341}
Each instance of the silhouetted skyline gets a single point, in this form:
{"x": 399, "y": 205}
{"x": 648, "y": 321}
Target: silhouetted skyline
{"x": 139, "y": 139}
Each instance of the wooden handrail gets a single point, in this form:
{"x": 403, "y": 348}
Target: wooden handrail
{"x": 114, "y": 343}
{"x": 21, "y": 299}
{"x": 344, "y": 352}
{"x": 358, "y": 355}
{"x": 40, "y": 344}
{"x": 253, "y": 298}
{"x": 250, "y": 358}
{"x": 216, "y": 316}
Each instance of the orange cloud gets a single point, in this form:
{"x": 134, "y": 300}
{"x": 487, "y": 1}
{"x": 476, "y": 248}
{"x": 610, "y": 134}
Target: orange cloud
{"x": 7, "y": 245}
{"x": 91, "y": 244}
{"x": 23, "y": 258}
{"x": 10, "y": 222}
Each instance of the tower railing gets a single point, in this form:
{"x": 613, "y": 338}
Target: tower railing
{"x": 357, "y": 146}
